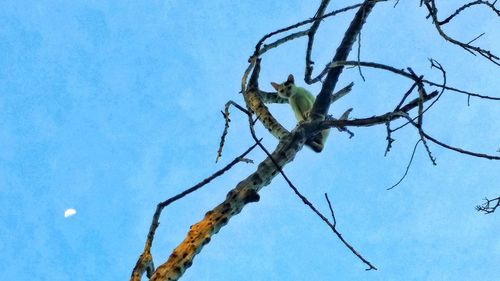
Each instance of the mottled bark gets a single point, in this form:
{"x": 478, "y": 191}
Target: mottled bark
{"x": 245, "y": 192}
{"x": 254, "y": 102}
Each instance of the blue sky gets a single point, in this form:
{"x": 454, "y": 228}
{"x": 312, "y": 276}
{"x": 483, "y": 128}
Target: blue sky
{"x": 111, "y": 107}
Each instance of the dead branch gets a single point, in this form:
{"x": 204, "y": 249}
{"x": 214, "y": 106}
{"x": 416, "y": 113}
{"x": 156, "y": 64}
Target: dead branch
{"x": 456, "y": 149}
{"x": 322, "y": 103}
{"x": 403, "y": 73}
{"x": 310, "y": 40}
{"x": 145, "y": 261}
{"x": 225, "y": 114}
{"x": 407, "y": 166}
{"x": 489, "y": 206}
{"x": 432, "y": 9}
{"x": 258, "y": 52}
{"x": 468, "y": 5}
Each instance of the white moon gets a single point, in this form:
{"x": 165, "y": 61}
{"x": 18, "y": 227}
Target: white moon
{"x": 69, "y": 212}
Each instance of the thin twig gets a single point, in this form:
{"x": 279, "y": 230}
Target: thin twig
{"x": 389, "y": 138}
{"x": 280, "y": 41}
{"x": 331, "y": 210}
{"x": 290, "y": 27}
{"x": 459, "y": 150}
{"x": 407, "y": 75}
{"x": 225, "y": 113}
{"x": 359, "y": 57}
{"x": 478, "y": 2}
{"x": 415, "y": 83}
{"x": 420, "y": 117}
{"x": 310, "y": 39}
{"x": 475, "y": 38}
{"x": 407, "y": 167}
{"x": 434, "y": 64}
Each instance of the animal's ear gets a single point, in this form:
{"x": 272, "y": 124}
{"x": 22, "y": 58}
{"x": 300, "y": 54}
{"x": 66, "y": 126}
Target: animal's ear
{"x": 290, "y": 79}
{"x": 276, "y": 86}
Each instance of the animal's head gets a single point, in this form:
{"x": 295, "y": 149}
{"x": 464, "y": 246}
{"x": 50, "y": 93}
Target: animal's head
{"x": 285, "y": 89}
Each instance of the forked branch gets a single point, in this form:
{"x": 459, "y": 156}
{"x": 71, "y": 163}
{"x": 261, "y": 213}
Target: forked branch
{"x": 489, "y": 206}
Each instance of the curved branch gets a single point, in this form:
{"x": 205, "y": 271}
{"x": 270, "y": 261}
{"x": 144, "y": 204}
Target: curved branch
{"x": 431, "y": 7}
{"x": 407, "y": 167}
{"x": 257, "y": 106}
{"x": 290, "y": 27}
{"x": 468, "y": 5}
{"x": 408, "y": 75}
{"x": 310, "y": 40}
{"x": 459, "y": 150}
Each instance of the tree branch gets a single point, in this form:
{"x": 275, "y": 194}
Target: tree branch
{"x": 310, "y": 40}
{"x": 322, "y": 103}
{"x": 145, "y": 261}
{"x": 431, "y": 7}
{"x": 489, "y": 206}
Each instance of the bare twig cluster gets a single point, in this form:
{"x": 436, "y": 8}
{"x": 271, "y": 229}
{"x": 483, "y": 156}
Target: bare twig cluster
{"x": 489, "y": 206}
{"x": 475, "y": 50}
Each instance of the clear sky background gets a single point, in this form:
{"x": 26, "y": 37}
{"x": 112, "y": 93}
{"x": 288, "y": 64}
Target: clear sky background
{"x": 109, "y": 107}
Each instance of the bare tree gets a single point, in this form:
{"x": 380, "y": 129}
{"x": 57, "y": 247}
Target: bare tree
{"x": 412, "y": 111}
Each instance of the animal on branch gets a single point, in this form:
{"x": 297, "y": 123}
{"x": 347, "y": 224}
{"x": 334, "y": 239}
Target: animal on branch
{"x": 301, "y": 101}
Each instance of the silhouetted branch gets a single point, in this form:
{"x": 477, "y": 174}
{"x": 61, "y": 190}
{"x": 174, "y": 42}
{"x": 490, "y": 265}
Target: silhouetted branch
{"x": 468, "y": 5}
{"x": 389, "y": 138}
{"x": 459, "y": 150}
{"x": 280, "y": 41}
{"x": 489, "y": 206}
{"x": 408, "y": 75}
{"x": 310, "y": 40}
{"x": 331, "y": 210}
{"x": 420, "y": 117}
{"x": 432, "y": 9}
{"x": 418, "y": 81}
{"x": 359, "y": 57}
{"x": 407, "y": 167}
{"x": 316, "y": 18}
{"x": 259, "y": 44}
{"x": 322, "y": 103}
{"x": 225, "y": 114}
